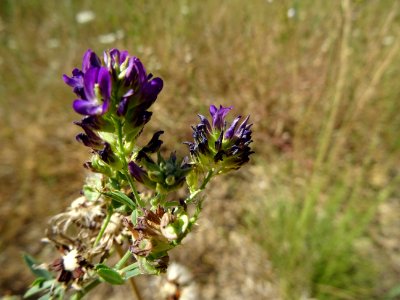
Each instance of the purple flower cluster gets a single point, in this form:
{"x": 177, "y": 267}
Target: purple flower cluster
{"x": 218, "y": 146}
{"x": 120, "y": 84}
{"x": 113, "y": 95}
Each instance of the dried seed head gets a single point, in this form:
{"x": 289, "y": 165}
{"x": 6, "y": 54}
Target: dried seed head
{"x": 70, "y": 260}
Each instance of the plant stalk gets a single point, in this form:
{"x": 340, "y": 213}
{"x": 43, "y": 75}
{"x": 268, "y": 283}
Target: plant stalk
{"x": 124, "y": 257}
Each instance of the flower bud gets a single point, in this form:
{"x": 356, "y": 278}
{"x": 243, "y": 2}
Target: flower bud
{"x": 167, "y": 174}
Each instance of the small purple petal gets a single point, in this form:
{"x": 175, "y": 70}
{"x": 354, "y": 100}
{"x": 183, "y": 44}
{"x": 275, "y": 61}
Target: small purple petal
{"x": 213, "y": 110}
{"x": 244, "y": 123}
{"x": 140, "y": 70}
{"x": 218, "y": 115}
{"x": 114, "y": 54}
{"x": 123, "y": 107}
{"x": 231, "y": 130}
{"x": 92, "y": 141}
{"x": 218, "y": 142}
{"x": 124, "y": 54}
{"x": 141, "y": 119}
{"x": 204, "y": 121}
{"x": 150, "y": 92}
{"x": 105, "y": 106}
{"x": 89, "y": 80}
{"x": 107, "y": 154}
{"x": 75, "y": 80}
{"x": 92, "y": 122}
{"x": 105, "y": 58}
{"x": 154, "y": 87}
{"x": 129, "y": 75}
{"x": 104, "y": 80}
{"x": 85, "y": 107}
{"x": 154, "y": 144}
{"x": 137, "y": 172}
{"x": 90, "y": 60}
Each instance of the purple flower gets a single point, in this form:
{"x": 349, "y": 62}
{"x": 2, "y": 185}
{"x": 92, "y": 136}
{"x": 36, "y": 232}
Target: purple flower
{"x": 106, "y": 154}
{"x": 76, "y": 82}
{"x": 137, "y": 89}
{"x": 152, "y": 146}
{"x": 121, "y": 75}
{"x": 97, "y": 92}
{"x": 137, "y": 172}
{"x": 89, "y": 138}
{"x": 219, "y": 147}
{"x": 218, "y": 115}
{"x": 140, "y": 175}
{"x": 90, "y": 60}
{"x": 115, "y": 91}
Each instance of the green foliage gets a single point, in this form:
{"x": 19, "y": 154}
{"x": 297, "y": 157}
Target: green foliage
{"x": 38, "y": 272}
{"x": 121, "y": 198}
{"x": 38, "y": 286}
{"x": 108, "y": 274}
{"x": 322, "y": 254}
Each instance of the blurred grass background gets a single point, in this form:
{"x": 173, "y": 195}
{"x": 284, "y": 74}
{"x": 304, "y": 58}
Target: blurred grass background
{"x": 319, "y": 205}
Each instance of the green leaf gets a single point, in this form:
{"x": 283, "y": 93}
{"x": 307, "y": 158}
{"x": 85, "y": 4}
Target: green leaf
{"x": 109, "y": 275}
{"x": 169, "y": 204}
{"x": 91, "y": 193}
{"x": 132, "y": 273}
{"x": 135, "y": 265}
{"x": 32, "y": 264}
{"x": 121, "y": 198}
{"x": 134, "y": 217}
{"x": 39, "y": 285}
{"x": 46, "y": 297}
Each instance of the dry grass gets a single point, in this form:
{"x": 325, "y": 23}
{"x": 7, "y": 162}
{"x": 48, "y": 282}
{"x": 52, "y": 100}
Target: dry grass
{"x": 321, "y": 87}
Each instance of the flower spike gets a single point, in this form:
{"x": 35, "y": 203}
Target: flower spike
{"x": 217, "y": 147}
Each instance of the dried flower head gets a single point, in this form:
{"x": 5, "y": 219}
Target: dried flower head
{"x": 82, "y": 214}
{"x": 72, "y": 266}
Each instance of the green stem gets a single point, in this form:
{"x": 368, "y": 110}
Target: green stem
{"x": 135, "y": 290}
{"x": 123, "y": 260}
{"x": 122, "y": 157}
{"x": 193, "y": 195}
{"x": 207, "y": 179}
{"x": 103, "y": 227}
{"x": 79, "y": 295}
{"x": 138, "y": 200}
{"x": 129, "y": 267}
